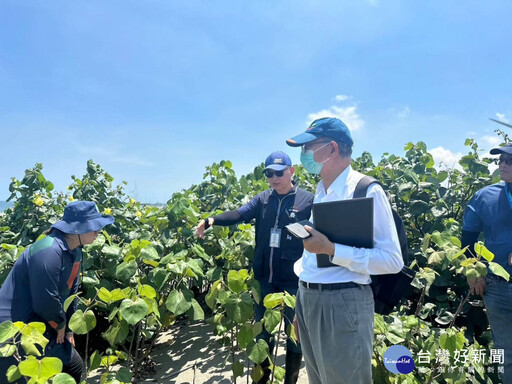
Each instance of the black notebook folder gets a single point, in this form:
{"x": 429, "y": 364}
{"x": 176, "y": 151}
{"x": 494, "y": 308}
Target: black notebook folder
{"x": 347, "y": 222}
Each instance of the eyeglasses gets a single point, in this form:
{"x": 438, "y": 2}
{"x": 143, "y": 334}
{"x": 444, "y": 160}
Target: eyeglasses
{"x": 506, "y": 160}
{"x": 270, "y": 173}
{"x": 305, "y": 147}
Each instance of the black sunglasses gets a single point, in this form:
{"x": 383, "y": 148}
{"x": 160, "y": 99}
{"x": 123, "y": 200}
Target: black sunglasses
{"x": 270, "y": 173}
{"x": 506, "y": 160}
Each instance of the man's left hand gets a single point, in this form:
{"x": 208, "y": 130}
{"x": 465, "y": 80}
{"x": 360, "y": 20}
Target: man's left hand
{"x": 71, "y": 338}
{"x": 318, "y": 242}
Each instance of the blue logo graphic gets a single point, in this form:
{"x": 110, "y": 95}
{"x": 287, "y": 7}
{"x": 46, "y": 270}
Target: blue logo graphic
{"x": 398, "y": 359}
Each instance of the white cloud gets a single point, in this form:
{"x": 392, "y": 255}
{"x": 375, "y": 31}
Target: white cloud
{"x": 491, "y": 141}
{"x": 404, "y": 113}
{"x": 445, "y": 158}
{"x": 342, "y": 97}
{"x": 502, "y": 117}
{"x": 347, "y": 114}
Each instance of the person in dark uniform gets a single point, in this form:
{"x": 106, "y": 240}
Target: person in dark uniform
{"x": 490, "y": 212}
{"x": 276, "y": 250}
{"x": 44, "y": 276}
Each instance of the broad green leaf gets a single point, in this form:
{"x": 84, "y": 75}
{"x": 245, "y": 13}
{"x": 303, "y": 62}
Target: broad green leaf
{"x": 278, "y": 372}
{"x": 257, "y": 328}
{"x": 441, "y": 239}
{"x": 31, "y": 336}
{"x": 235, "y": 281}
{"x": 272, "y": 300}
{"x": 40, "y": 369}
{"x": 238, "y": 369}
{"x": 133, "y": 311}
{"x": 455, "y": 241}
{"x": 105, "y": 295}
{"x": 7, "y": 331}
{"x": 122, "y": 355}
{"x": 379, "y": 324}
{"x": 468, "y": 262}
{"x": 197, "y": 312}
{"x": 498, "y": 270}
{"x": 419, "y": 207}
{"x": 113, "y": 314}
{"x": 445, "y": 318}
{"x": 111, "y": 250}
{"x": 211, "y": 297}
{"x": 194, "y": 268}
{"x": 124, "y": 375}
{"x": 147, "y": 291}
{"x": 256, "y": 290}
{"x": 117, "y": 294}
{"x": 117, "y": 332}
{"x": 107, "y": 361}
{"x": 290, "y": 331}
{"x": 451, "y": 341}
{"x": 394, "y": 339}
{"x": 459, "y": 253}
{"x": 7, "y": 350}
{"x": 179, "y": 301}
{"x": 426, "y": 243}
{"x": 149, "y": 253}
{"x": 70, "y": 300}
{"x": 239, "y": 309}
{"x": 272, "y": 318}
{"x": 436, "y": 258}
{"x": 245, "y": 335}
{"x": 289, "y": 300}
{"x": 412, "y": 321}
{"x": 199, "y": 251}
{"x": 126, "y": 270}
{"x": 13, "y": 373}
{"x": 257, "y": 373}
{"x": 63, "y": 378}
{"x": 27, "y": 328}
{"x": 82, "y": 323}
{"x": 94, "y": 361}
{"x": 481, "y": 250}
{"x": 258, "y": 352}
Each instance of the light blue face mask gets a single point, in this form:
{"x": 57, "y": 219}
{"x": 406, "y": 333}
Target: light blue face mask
{"x": 307, "y": 158}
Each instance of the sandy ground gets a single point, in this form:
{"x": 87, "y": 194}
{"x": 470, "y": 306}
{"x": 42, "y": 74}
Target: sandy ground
{"x": 191, "y": 354}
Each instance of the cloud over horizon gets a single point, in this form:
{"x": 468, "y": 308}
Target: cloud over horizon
{"x": 347, "y": 113}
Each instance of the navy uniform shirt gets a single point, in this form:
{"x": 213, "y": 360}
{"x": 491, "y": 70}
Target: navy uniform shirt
{"x": 42, "y": 278}
{"x": 272, "y": 210}
{"x": 490, "y": 212}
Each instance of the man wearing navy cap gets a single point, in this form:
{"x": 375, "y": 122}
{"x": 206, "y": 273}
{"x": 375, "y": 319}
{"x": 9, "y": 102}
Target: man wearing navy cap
{"x": 44, "y": 276}
{"x": 334, "y": 307}
{"x": 490, "y": 212}
{"x": 276, "y": 250}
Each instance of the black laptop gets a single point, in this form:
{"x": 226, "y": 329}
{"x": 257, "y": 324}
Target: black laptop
{"x": 348, "y": 222}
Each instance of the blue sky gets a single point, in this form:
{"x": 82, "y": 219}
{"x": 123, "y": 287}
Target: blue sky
{"x": 156, "y": 90}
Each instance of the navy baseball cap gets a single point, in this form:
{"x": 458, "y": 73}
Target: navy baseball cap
{"x": 505, "y": 149}
{"x": 81, "y": 217}
{"x": 324, "y": 127}
{"x": 278, "y": 161}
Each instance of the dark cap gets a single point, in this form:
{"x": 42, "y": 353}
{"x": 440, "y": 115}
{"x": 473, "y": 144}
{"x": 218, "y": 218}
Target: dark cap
{"x": 505, "y": 149}
{"x": 324, "y": 127}
{"x": 81, "y": 217}
{"x": 278, "y": 161}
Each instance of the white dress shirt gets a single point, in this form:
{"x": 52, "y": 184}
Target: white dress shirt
{"x": 356, "y": 264}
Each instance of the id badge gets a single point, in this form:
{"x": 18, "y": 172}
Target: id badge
{"x": 275, "y": 238}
